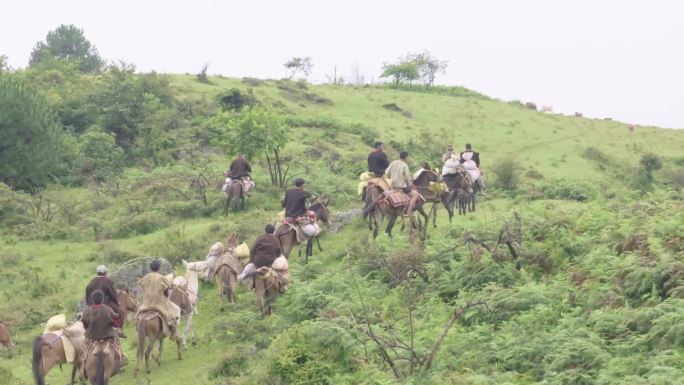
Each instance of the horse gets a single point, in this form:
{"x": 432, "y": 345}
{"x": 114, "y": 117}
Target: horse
{"x": 422, "y": 183}
{"x": 460, "y": 191}
{"x": 184, "y": 295}
{"x": 48, "y": 351}
{"x": 227, "y": 271}
{"x": 288, "y": 237}
{"x": 267, "y": 289}
{"x": 5, "y": 336}
{"x": 127, "y": 305}
{"x": 383, "y": 209}
{"x": 150, "y": 326}
{"x": 102, "y": 362}
{"x": 235, "y": 193}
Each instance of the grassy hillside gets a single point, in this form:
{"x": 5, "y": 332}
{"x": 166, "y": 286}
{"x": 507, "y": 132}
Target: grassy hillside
{"x": 598, "y": 298}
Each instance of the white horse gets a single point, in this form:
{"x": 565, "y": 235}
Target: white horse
{"x": 185, "y": 296}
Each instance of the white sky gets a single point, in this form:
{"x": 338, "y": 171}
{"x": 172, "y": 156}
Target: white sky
{"x": 605, "y": 58}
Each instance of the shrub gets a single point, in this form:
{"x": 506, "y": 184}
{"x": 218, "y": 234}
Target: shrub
{"x": 560, "y": 189}
{"x": 507, "y": 172}
{"x": 143, "y": 223}
{"x": 234, "y": 99}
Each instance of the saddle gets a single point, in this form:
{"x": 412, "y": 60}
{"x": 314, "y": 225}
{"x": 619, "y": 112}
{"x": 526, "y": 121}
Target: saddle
{"x": 304, "y": 226}
{"x": 149, "y": 315}
{"x": 396, "y": 198}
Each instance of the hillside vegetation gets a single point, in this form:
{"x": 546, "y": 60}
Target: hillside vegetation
{"x": 596, "y": 295}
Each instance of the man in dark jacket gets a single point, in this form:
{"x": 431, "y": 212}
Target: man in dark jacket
{"x": 469, "y": 154}
{"x": 266, "y": 248}
{"x": 295, "y": 200}
{"x": 98, "y": 322}
{"x": 377, "y": 160}
{"x": 106, "y": 285}
{"x": 240, "y": 167}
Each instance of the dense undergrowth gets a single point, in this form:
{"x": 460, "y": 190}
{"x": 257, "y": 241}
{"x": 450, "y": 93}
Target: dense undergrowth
{"x": 589, "y": 290}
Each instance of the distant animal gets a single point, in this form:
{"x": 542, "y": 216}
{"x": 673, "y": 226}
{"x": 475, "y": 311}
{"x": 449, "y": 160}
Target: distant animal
{"x": 578, "y": 114}
{"x": 127, "y": 305}
{"x": 631, "y": 128}
{"x": 150, "y": 327}
{"x": 5, "y": 336}
{"x": 235, "y": 194}
{"x": 608, "y": 119}
{"x": 531, "y": 106}
{"x": 267, "y": 289}
{"x": 422, "y": 183}
{"x": 102, "y": 362}
{"x": 227, "y": 269}
{"x": 288, "y": 236}
{"x": 184, "y": 295}
{"x": 547, "y": 108}
{"x": 48, "y": 351}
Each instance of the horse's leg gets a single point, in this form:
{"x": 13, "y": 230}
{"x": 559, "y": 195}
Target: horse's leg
{"x": 74, "y": 369}
{"x": 226, "y": 205}
{"x": 242, "y": 202}
{"x": 140, "y": 325}
{"x": 190, "y": 330}
{"x": 390, "y": 224}
{"x": 260, "y": 293}
{"x": 318, "y": 243}
{"x": 151, "y": 342}
{"x": 232, "y": 285}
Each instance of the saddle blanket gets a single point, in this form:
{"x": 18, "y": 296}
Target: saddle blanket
{"x": 397, "y": 198}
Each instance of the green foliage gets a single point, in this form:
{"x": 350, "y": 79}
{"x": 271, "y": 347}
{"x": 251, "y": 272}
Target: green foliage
{"x": 302, "y": 65}
{"x": 33, "y": 148}
{"x": 101, "y": 159}
{"x": 507, "y": 172}
{"x": 67, "y": 42}
{"x": 405, "y": 70}
{"x": 234, "y": 99}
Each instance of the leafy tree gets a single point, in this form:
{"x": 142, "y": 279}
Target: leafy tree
{"x": 32, "y": 146}
{"x": 301, "y": 65}
{"x": 429, "y": 67}
{"x": 648, "y": 164}
{"x": 402, "y": 71}
{"x": 3, "y": 63}
{"x": 202, "y": 76}
{"x": 67, "y": 42}
{"x": 100, "y": 158}
{"x": 256, "y": 132}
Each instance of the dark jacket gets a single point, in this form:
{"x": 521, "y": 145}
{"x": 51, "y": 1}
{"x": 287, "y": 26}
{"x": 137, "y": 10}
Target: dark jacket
{"x": 266, "y": 249}
{"x": 378, "y": 162}
{"x": 239, "y": 168}
{"x": 475, "y": 158}
{"x": 294, "y": 203}
{"x": 97, "y": 321}
{"x": 107, "y": 286}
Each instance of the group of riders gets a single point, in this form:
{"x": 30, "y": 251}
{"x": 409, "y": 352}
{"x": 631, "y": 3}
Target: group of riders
{"x": 102, "y": 319}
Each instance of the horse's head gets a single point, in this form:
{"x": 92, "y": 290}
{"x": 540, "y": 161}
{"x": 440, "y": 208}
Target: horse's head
{"x": 233, "y": 241}
{"x": 320, "y": 207}
{"x": 126, "y": 300}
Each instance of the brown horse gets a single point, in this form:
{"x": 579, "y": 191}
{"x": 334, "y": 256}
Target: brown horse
{"x": 227, "y": 271}
{"x": 5, "y": 336}
{"x": 288, "y": 237}
{"x": 267, "y": 289}
{"x": 383, "y": 209}
{"x": 460, "y": 191}
{"x": 235, "y": 194}
{"x": 422, "y": 184}
{"x": 48, "y": 351}
{"x": 127, "y": 304}
{"x": 102, "y": 362}
{"x": 150, "y": 328}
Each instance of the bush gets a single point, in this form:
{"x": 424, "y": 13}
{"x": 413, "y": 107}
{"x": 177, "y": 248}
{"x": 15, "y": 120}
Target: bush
{"x": 234, "y": 99}
{"x": 144, "y": 223}
{"x": 560, "y": 189}
{"x": 507, "y": 172}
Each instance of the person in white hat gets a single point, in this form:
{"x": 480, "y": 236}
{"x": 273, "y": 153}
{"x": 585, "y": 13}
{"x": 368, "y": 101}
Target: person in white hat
{"x": 108, "y": 288}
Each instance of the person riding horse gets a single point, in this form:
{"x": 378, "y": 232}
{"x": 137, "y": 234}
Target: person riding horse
{"x": 400, "y": 179}
{"x": 108, "y": 288}
{"x": 265, "y": 250}
{"x": 99, "y": 321}
{"x": 295, "y": 201}
{"x": 377, "y": 160}
{"x": 155, "y": 297}
{"x": 476, "y": 173}
{"x": 239, "y": 170}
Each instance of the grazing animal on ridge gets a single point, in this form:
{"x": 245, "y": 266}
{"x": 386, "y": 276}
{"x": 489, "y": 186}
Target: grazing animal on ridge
{"x": 547, "y": 109}
{"x": 531, "y": 106}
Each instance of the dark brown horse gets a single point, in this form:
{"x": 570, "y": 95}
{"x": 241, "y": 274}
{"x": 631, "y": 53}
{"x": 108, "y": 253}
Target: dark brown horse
{"x": 460, "y": 190}
{"x": 48, "y": 351}
{"x": 422, "y": 184}
{"x": 150, "y": 328}
{"x": 235, "y": 194}
{"x": 102, "y": 362}
{"x": 267, "y": 289}
{"x": 383, "y": 209}
{"x": 227, "y": 267}
{"x": 288, "y": 237}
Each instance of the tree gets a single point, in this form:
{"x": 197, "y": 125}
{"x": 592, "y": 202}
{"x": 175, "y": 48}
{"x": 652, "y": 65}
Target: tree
{"x": 429, "y": 67}
{"x": 67, "y": 42}
{"x": 32, "y": 146}
{"x": 101, "y": 159}
{"x": 3, "y": 64}
{"x": 256, "y": 132}
{"x": 299, "y": 65}
{"x": 402, "y": 71}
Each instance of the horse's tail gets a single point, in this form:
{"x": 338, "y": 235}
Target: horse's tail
{"x": 99, "y": 376}
{"x": 37, "y": 361}
{"x": 140, "y": 327}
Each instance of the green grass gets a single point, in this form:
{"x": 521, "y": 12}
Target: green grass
{"x": 552, "y": 322}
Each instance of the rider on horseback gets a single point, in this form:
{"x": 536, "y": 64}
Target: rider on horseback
{"x": 239, "y": 170}
{"x": 106, "y": 285}
{"x": 266, "y": 249}
{"x": 99, "y": 323}
{"x": 377, "y": 160}
{"x": 471, "y": 161}
{"x": 155, "y": 298}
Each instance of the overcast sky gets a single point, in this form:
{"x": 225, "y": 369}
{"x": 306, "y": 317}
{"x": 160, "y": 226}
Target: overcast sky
{"x": 605, "y": 58}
